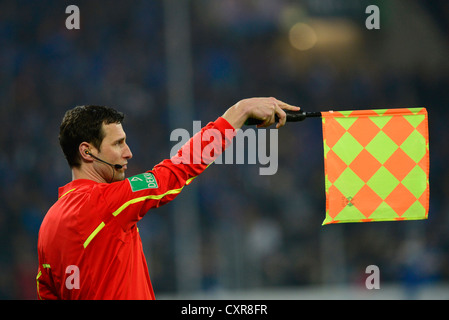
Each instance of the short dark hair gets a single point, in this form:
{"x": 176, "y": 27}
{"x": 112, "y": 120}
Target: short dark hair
{"x": 84, "y": 124}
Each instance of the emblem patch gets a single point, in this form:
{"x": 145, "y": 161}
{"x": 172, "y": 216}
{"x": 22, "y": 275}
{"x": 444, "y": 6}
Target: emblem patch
{"x": 142, "y": 181}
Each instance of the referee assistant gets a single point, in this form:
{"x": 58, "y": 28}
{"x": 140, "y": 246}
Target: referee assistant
{"x": 89, "y": 246}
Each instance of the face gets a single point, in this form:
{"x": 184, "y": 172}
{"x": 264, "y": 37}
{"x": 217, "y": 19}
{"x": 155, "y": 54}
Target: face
{"x": 113, "y": 150}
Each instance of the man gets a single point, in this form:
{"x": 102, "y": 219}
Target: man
{"x": 89, "y": 246}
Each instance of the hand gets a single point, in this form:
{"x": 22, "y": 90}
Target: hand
{"x": 264, "y": 109}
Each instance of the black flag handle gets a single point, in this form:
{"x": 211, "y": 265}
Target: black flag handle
{"x": 292, "y": 116}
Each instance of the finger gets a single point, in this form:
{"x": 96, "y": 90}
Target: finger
{"x": 268, "y": 121}
{"x": 277, "y": 111}
{"x": 282, "y": 116}
{"x": 287, "y": 106}
{"x": 270, "y": 108}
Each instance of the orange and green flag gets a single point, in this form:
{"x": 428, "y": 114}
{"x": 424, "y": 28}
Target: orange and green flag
{"x": 376, "y": 165}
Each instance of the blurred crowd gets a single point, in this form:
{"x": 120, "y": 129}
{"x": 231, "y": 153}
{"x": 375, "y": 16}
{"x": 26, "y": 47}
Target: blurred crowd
{"x": 256, "y": 231}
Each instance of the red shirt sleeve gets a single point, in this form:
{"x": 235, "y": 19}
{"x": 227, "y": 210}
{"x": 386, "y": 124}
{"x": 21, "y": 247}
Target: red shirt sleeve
{"x": 129, "y": 200}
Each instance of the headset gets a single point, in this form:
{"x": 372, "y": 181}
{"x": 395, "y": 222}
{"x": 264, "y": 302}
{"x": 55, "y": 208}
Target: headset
{"x": 115, "y": 166}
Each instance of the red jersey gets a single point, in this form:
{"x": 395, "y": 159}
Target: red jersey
{"x": 89, "y": 245}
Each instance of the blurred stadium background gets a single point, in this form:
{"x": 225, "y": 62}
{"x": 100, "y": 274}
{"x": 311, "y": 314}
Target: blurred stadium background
{"x": 232, "y": 233}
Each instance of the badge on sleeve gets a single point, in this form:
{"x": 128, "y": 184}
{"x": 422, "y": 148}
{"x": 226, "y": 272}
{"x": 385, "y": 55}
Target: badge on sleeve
{"x": 142, "y": 181}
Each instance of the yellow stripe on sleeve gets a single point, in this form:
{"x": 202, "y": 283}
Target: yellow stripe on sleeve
{"x": 93, "y": 234}
{"x": 150, "y": 197}
{"x": 127, "y": 204}
{"x": 66, "y": 193}
{"x": 37, "y": 284}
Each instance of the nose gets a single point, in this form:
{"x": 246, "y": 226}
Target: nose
{"x": 128, "y": 154}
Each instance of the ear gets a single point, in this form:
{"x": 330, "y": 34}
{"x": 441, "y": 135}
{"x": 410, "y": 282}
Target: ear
{"x": 84, "y": 149}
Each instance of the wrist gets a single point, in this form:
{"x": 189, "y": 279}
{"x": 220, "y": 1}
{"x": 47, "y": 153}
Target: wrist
{"x": 237, "y": 114}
